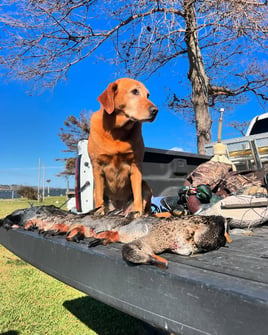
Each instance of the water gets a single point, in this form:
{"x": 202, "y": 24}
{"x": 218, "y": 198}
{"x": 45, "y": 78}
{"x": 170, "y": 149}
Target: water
{"x": 9, "y": 194}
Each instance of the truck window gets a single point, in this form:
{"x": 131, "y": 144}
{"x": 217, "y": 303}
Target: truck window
{"x": 261, "y": 126}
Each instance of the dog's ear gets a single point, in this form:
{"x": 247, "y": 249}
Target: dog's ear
{"x": 107, "y": 98}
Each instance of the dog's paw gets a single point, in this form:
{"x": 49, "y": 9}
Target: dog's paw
{"x": 134, "y": 214}
{"x": 100, "y": 211}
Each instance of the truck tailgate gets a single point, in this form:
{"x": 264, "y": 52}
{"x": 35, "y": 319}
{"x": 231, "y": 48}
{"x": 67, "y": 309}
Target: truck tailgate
{"x": 220, "y": 292}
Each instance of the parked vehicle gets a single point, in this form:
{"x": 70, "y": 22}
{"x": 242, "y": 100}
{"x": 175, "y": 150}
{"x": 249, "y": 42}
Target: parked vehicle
{"x": 258, "y": 125}
{"x": 164, "y": 170}
{"x": 250, "y": 151}
{"x": 221, "y": 292}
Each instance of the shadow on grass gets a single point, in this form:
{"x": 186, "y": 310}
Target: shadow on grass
{"x": 106, "y": 320}
{"x": 103, "y": 319}
{"x": 10, "y": 332}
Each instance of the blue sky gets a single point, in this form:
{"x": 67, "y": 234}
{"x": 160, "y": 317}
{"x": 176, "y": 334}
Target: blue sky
{"x": 30, "y": 122}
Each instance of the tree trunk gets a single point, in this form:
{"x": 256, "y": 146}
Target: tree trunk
{"x": 198, "y": 78}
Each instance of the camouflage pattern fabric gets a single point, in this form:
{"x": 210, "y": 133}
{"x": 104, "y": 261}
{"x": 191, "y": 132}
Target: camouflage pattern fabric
{"x": 235, "y": 182}
{"x": 222, "y": 180}
{"x": 210, "y": 173}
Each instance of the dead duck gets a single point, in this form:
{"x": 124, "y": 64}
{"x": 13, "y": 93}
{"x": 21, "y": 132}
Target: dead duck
{"x": 90, "y": 226}
{"x": 183, "y": 236}
{"x": 51, "y": 220}
{"x": 30, "y": 218}
{"x": 134, "y": 229}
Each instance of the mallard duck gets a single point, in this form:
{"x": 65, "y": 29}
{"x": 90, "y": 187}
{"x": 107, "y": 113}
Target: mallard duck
{"x": 183, "y": 236}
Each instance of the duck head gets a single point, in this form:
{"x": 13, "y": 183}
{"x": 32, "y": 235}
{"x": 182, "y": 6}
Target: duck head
{"x": 211, "y": 233}
{"x": 140, "y": 252}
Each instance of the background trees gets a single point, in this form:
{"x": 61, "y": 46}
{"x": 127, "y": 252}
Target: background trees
{"x": 223, "y": 43}
{"x": 27, "y": 192}
{"x": 74, "y": 129}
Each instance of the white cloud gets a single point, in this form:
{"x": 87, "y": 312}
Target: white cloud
{"x": 176, "y": 149}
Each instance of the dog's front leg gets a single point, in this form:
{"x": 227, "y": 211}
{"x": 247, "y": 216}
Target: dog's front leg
{"x": 136, "y": 185}
{"x": 99, "y": 190}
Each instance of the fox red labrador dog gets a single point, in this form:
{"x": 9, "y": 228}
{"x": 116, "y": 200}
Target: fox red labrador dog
{"x": 116, "y": 147}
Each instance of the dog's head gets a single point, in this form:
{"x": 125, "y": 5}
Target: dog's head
{"x": 129, "y": 99}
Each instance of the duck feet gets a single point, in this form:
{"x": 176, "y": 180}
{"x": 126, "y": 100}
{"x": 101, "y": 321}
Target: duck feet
{"x": 57, "y": 229}
{"x": 104, "y": 238}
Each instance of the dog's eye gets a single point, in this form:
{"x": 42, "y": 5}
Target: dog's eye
{"x": 135, "y": 92}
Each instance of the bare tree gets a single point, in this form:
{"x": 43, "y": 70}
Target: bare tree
{"x": 223, "y": 42}
{"x": 74, "y": 130}
{"x": 240, "y": 126}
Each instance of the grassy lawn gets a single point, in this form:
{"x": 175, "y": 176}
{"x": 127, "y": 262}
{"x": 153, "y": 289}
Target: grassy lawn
{"x": 32, "y": 302}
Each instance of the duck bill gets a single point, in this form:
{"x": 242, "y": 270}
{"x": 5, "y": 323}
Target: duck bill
{"x": 160, "y": 262}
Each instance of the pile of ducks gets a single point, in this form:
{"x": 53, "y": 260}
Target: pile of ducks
{"x": 142, "y": 238}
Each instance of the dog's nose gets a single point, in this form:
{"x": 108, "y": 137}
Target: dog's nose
{"x": 153, "y": 111}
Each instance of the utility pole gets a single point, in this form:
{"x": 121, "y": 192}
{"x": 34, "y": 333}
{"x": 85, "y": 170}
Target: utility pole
{"x": 67, "y": 184}
{"x": 39, "y": 174}
{"x": 43, "y": 181}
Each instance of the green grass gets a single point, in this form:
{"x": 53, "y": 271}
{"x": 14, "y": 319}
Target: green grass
{"x": 32, "y": 302}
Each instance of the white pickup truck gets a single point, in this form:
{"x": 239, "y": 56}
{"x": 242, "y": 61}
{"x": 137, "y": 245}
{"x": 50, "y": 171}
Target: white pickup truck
{"x": 166, "y": 170}
{"x": 249, "y": 151}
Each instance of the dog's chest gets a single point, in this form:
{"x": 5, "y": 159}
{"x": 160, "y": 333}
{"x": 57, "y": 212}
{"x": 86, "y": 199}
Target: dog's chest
{"x": 116, "y": 169}
{"x": 117, "y": 160}
{"x": 116, "y": 166}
